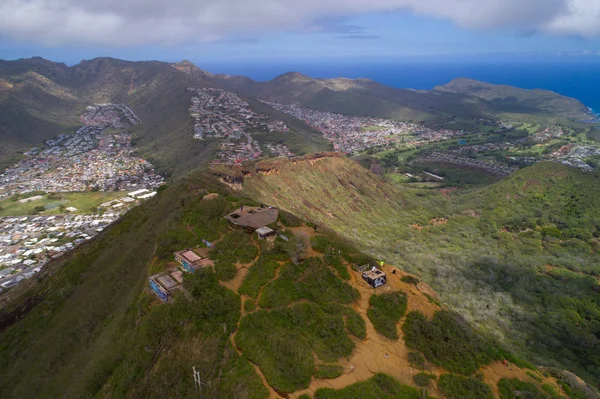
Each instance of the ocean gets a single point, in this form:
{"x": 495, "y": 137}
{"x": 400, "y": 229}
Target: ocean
{"x": 577, "y": 77}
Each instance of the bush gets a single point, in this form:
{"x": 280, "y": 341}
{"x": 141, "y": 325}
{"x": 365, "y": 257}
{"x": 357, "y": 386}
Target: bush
{"x": 380, "y": 386}
{"x": 225, "y": 271}
{"x": 282, "y": 343}
{"x": 512, "y": 388}
{"x": 329, "y": 371}
{"x": 448, "y": 341}
{"x": 410, "y": 280}
{"x": 417, "y": 360}
{"x": 249, "y": 305}
{"x": 235, "y": 247}
{"x": 457, "y": 387}
{"x": 258, "y": 275}
{"x": 355, "y": 324}
{"x": 422, "y": 379}
{"x": 288, "y": 219}
{"x": 320, "y": 243}
{"x": 336, "y": 262}
{"x": 385, "y": 311}
{"x": 309, "y": 280}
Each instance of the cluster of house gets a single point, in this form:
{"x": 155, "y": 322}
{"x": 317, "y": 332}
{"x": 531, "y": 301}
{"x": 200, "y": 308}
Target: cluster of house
{"x": 28, "y": 242}
{"x": 440, "y": 157}
{"x": 576, "y": 157}
{"x": 115, "y": 115}
{"x": 89, "y": 159}
{"x": 224, "y": 115}
{"x": 279, "y": 150}
{"x": 348, "y": 134}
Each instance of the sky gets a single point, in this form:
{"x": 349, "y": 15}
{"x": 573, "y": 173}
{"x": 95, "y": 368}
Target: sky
{"x": 263, "y": 31}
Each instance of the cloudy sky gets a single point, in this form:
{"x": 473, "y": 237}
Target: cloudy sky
{"x": 219, "y": 30}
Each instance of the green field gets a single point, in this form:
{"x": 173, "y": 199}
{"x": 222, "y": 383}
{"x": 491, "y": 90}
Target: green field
{"x": 83, "y": 201}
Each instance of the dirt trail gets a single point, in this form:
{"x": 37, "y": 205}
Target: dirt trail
{"x": 242, "y": 270}
{"x": 377, "y": 353}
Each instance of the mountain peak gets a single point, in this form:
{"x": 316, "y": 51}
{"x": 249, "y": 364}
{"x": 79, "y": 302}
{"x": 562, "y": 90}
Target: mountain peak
{"x": 293, "y": 76}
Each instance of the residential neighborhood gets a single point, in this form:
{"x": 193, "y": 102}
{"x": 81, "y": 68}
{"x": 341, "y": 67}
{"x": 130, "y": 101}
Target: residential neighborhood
{"x": 220, "y": 114}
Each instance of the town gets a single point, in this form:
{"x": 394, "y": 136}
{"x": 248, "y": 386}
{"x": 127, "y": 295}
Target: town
{"x": 90, "y": 160}
{"x": 224, "y": 115}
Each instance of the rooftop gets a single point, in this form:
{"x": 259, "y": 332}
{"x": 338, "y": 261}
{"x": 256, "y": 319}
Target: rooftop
{"x": 253, "y": 217}
{"x": 190, "y": 256}
{"x": 374, "y": 273}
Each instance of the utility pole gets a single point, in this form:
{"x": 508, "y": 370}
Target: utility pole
{"x": 197, "y": 381}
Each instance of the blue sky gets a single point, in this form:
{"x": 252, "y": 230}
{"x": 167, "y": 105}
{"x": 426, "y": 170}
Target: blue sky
{"x": 209, "y": 34}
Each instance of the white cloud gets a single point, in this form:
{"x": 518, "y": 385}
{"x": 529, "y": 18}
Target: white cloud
{"x": 136, "y": 22}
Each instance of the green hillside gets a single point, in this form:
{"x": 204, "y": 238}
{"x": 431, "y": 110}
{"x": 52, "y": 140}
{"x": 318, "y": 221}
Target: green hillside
{"x": 519, "y": 258}
{"x": 268, "y": 320}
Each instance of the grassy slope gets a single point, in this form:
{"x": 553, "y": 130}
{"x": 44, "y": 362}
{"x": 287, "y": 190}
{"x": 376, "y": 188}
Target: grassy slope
{"x": 486, "y": 258}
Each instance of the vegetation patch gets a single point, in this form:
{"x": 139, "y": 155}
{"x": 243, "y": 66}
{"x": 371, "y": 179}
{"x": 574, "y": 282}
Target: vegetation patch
{"x": 448, "y": 341}
{"x": 423, "y": 379}
{"x": 410, "y": 280}
{"x": 513, "y": 388}
{"x": 380, "y": 386}
{"x": 282, "y": 342}
{"x": 329, "y": 371}
{"x": 355, "y": 324}
{"x": 417, "y": 360}
{"x": 258, "y": 275}
{"x": 249, "y": 305}
{"x": 310, "y": 280}
{"x": 458, "y": 387}
{"x": 385, "y": 311}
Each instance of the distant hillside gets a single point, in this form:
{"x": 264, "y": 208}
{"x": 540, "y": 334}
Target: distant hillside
{"x": 442, "y": 105}
{"x": 509, "y": 99}
{"x": 483, "y": 251}
{"x": 40, "y": 99}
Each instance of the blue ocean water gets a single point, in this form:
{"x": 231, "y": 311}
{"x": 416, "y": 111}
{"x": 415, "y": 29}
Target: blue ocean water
{"x": 577, "y": 77}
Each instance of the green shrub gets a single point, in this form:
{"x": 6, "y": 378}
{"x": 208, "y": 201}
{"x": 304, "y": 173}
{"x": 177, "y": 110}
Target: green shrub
{"x": 329, "y": 371}
{"x": 410, "y": 280}
{"x": 417, "y": 360}
{"x": 225, "y": 271}
{"x": 355, "y": 324}
{"x": 448, "y": 341}
{"x": 304, "y": 396}
{"x": 422, "y": 379}
{"x": 511, "y": 388}
{"x": 282, "y": 343}
{"x": 235, "y": 247}
{"x": 310, "y": 280}
{"x": 457, "y": 387}
{"x": 320, "y": 243}
{"x": 385, "y": 311}
{"x": 336, "y": 262}
{"x": 380, "y": 386}
{"x": 288, "y": 219}
{"x": 258, "y": 275}
{"x": 534, "y": 376}
{"x": 551, "y": 391}
{"x": 249, "y": 305}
